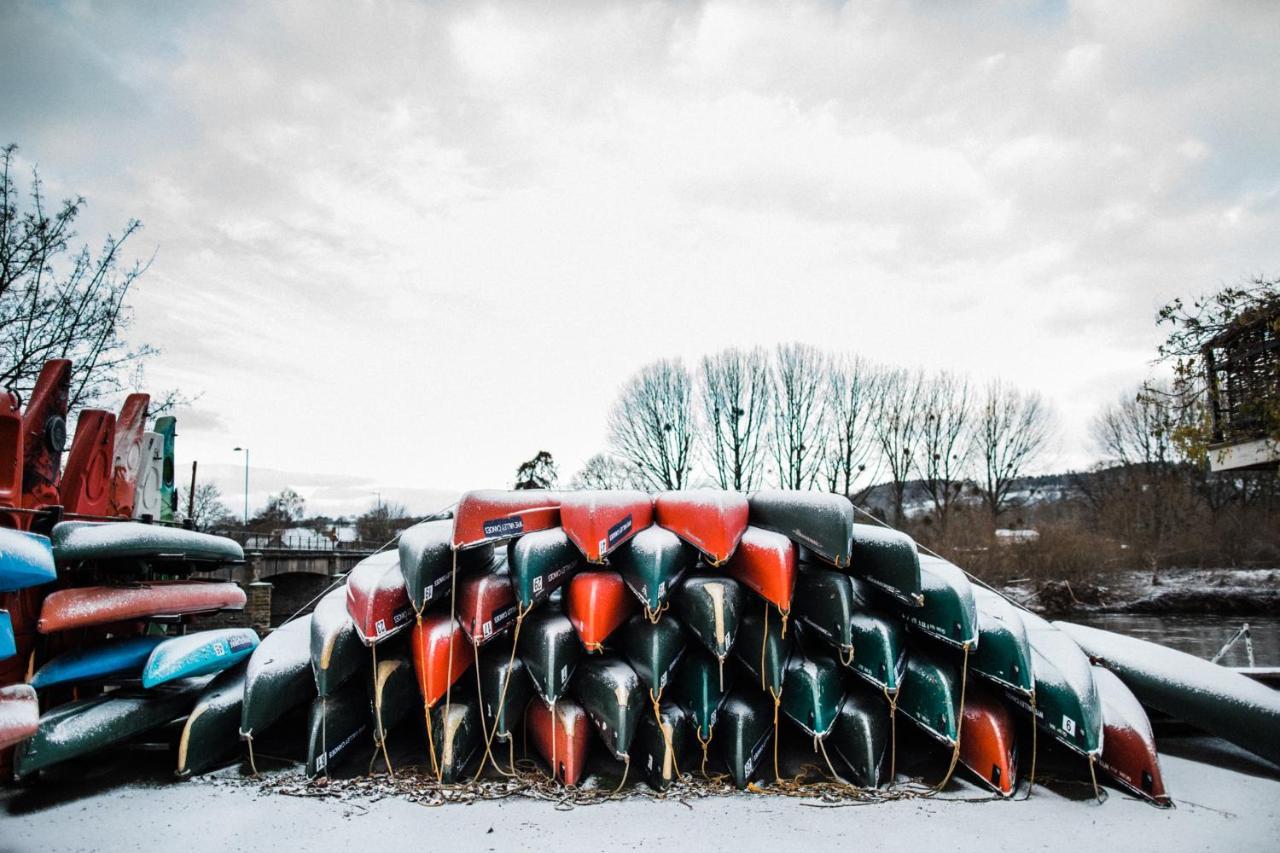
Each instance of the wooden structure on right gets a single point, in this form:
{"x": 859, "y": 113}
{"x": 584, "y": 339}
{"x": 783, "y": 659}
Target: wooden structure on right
{"x": 1243, "y": 373}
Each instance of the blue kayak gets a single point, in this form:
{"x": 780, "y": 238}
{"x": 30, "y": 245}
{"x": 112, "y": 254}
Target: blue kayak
{"x": 8, "y": 648}
{"x": 201, "y": 653}
{"x": 26, "y": 559}
{"x": 123, "y": 656}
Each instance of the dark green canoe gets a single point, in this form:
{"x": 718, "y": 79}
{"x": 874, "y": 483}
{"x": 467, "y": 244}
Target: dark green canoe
{"x": 651, "y": 563}
{"x": 664, "y": 746}
{"x": 336, "y": 650}
{"x": 211, "y": 735}
{"x": 427, "y": 561}
{"x": 550, "y": 650}
{"x": 820, "y": 521}
{"x": 710, "y": 606}
{"x": 745, "y": 731}
{"x": 878, "y": 639}
{"x": 456, "y": 734}
{"x": 541, "y": 562}
{"x": 1067, "y": 703}
{"x": 339, "y": 724}
{"x": 763, "y": 650}
{"x": 812, "y": 694}
{"x": 504, "y": 688}
{"x": 393, "y": 692}
{"x": 653, "y": 649}
{"x": 947, "y": 611}
{"x": 862, "y": 737}
{"x": 132, "y": 542}
{"x": 1003, "y": 654}
{"x": 610, "y": 692}
{"x": 88, "y": 725}
{"x": 701, "y": 685}
{"x": 278, "y": 677}
{"x": 930, "y": 694}
{"x": 888, "y": 560}
{"x": 824, "y": 602}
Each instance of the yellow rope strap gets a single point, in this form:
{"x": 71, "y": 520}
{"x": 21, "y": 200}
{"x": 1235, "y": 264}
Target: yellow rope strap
{"x": 846, "y": 661}
{"x": 453, "y": 625}
{"x": 704, "y": 744}
{"x": 955, "y": 751}
{"x": 892, "y": 699}
{"x": 666, "y": 736}
{"x": 654, "y": 616}
{"x": 777, "y": 703}
{"x": 502, "y": 700}
{"x": 1031, "y": 780}
{"x": 252, "y": 766}
{"x": 626, "y": 768}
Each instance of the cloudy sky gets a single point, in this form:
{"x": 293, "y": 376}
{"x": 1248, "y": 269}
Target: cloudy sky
{"x": 401, "y": 247}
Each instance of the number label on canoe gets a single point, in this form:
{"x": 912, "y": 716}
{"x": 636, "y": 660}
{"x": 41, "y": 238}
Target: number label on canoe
{"x": 220, "y": 650}
{"x": 380, "y": 627}
{"x": 487, "y": 628}
{"x": 622, "y": 528}
{"x": 503, "y": 527}
{"x": 1068, "y": 725}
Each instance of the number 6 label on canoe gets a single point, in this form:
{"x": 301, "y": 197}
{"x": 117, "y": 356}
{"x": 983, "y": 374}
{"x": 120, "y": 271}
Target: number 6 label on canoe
{"x": 1068, "y": 725}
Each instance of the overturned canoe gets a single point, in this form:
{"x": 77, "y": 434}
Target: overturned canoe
{"x": 988, "y": 745}
{"x": 550, "y": 649}
{"x": 651, "y": 563}
{"x": 862, "y": 738}
{"x": 505, "y": 690}
{"x": 766, "y": 563}
{"x": 201, "y": 653}
{"x": 597, "y": 603}
{"x": 376, "y": 598}
{"x": 879, "y": 641}
{"x": 1066, "y": 697}
{"x": 609, "y": 691}
{"x": 652, "y": 649}
{"x": 278, "y": 677}
{"x": 710, "y": 607}
{"x": 486, "y": 602}
{"x": 820, "y": 521}
{"x": 764, "y": 650}
{"x": 746, "y": 729}
{"x": 336, "y": 650}
{"x": 119, "y": 657}
{"x": 456, "y": 737}
{"x": 211, "y": 734}
{"x": 701, "y": 685}
{"x": 812, "y": 694}
{"x": 540, "y": 563}
{"x": 1128, "y": 746}
{"x": 1003, "y": 654}
{"x": 600, "y": 521}
{"x": 441, "y": 654}
{"x": 26, "y": 560}
{"x": 947, "y": 611}
{"x": 824, "y": 602}
{"x": 663, "y": 744}
{"x": 493, "y": 515}
{"x": 82, "y": 607}
{"x": 336, "y": 727}
{"x": 562, "y": 736}
{"x": 19, "y": 714}
{"x": 710, "y": 520}
{"x": 393, "y": 693}
{"x": 930, "y": 694}
{"x": 111, "y": 542}
{"x": 427, "y": 560}
{"x": 888, "y": 560}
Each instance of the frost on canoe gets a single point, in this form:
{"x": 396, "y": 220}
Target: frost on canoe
{"x": 653, "y": 649}
{"x": 861, "y": 737}
{"x": 1129, "y": 747}
{"x": 812, "y": 694}
{"x": 746, "y": 728}
{"x": 505, "y": 690}
{"x": 377, "y": 601}
{"x": 663, "y": 744}
{"x": 610, "y": 692}
{"x": 211, "y": 734}
{"x": 710, "y": 607}
{"x": 930, "y": 694}
{"x": 199, "y": 653}
{"x": 888, "y": 560}
{"x": 597, "y": 603}
{"x": 947, "y": 611}
{"x": 763, "y": 650}
{"x": 1066, "y": 697}
{"x": 92, "y": 541}
{"x": 84, "y": 606}
{"x": 19, "y": 714}
{"x": 393, "y": 692}
{"x": 26, "y": 560}
{"x": 766, "y": 563}
{"x": 840, "y": 609}
{"x": 486, "y": 604}
{"x": 336, "y": 650}
{"x": 337, "y": 726}
{"x": 988, "y": 747}
{"x": 1209, "y": 696}
{"x": 710, "y": 520}
{"x": 455, "y": 731}
{"x": 489, "y": 515}
{"x": 820, "y": 521}
{"x": 1003, "y": 654}
{"x": 278, "y": 677}
{"x": 550, "y": 649}
{"x": 599, "y": 521}
{"x": 123, "y": 656}
{"x": 561, "y": 734}
{"x": 540, "y": 563}
{"x": 427, "y": 561}
{"x": 701, "y": 685}
{"x": 651, "y": 563}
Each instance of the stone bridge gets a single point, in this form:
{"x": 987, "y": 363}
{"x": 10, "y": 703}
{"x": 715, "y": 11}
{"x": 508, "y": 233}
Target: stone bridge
{"x": 280, "y": 581}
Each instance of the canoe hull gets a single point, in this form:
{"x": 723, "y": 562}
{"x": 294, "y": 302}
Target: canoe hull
{"x": 888, "y": 560}
{"x": 711, "y": 608}
{"x": 598, "y": 522}
{"x": 610, "y": 692}
{"x": 562, "y": 736}
{"x": 377, "y": 600}
{"x": 83, "y": 607}
{"x": 597, "y": 603}
{"x": 201, "y": 653}
{"x": 337, "y": 653}
{"x": 766, "y": 563}
{"x": 711, "y": 521}
{"x": 19, "y": 714}
{"x": 820, "y": 521}
{"x": 541, "y": 563}
{"x": 441, "y": 654}
{"x": 211, "y": 734}
{"x": 651, "y": 564}
{"x": 746, "y": 730}
{"x": 490, "y": 516}
{"x": 550, "y": 649}
{"x": 91, "y": 541}
{"x": 1128, "y": 746}
{"x": 117, "y": 657}
{"x": 278, "y": 677}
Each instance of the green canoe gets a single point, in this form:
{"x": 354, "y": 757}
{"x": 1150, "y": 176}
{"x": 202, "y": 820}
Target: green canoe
{"x": 664, "y": 746}
{"x": 651, "y": 562}
{"x": 824, "y": 602}
{"x": 427, "y": 561}
{"x": 336, "y": 650}
{"x": 763, "y": 650}
{"x": 550, "y": 650}
{"x": 862, "y": 737}
{"x": 710, "y": 606}
{"x": 841, "y": 610}
{"x": 820, "y": 521}
{"x": 88, "y": 725}
{"x": 610, "y": 692}
{"x": 167, "y": 427}
{"x": 888, "y": 560}
{"x": 457, "y": 737}
{"x": 211, "y": 735}
{"x": 746, "y": 728}
{"x": 1066, "y": 699}
{"x": 653, "y": 649}
{"x": 701, "y": 685}
{"x": 930, "y": 694}
{"x": 540, "y": 563}
{"x": 1003, "y": 654}
{"x": 131, "y": 542}
{"x": 393, "y": 693}
{"x": 278, "y": 677}
{"x": 948, "y": 612}
{"x": 812, "y": 694}
{"x": 504, "y": 688}
{"x": 338, "y": 726}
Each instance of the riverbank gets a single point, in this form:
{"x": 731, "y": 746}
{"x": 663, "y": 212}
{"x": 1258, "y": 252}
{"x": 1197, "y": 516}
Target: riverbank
{"x": 1225, "y": 592}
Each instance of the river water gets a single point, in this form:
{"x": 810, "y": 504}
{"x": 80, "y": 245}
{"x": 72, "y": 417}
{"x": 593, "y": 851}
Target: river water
{"x": 1200, "y": 635}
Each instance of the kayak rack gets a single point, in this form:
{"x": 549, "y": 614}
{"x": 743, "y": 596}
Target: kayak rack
{"x": 1243, "y": 633}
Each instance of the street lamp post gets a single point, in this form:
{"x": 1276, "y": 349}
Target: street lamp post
{"x": 246, "y": 485}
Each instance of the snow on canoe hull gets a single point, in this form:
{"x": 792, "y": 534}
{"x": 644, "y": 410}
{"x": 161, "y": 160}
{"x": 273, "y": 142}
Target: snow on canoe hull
{"x": 455, "y": 732}
{"x": 91, "y": 541}
{"x": 394, "y": 693}
{"x": 82, "y": 607}
{"x": 930, "y": 694}
{"x": 651, "y": 564}
{"x": 486, "y": 602}
{"x": 86, "y": 482}
{"x": 600, "y": 521}
{"x": 26, "y": 560}
{"x": 879, "y": 641}
{"x": 766, "y": 563}
{"x": 376, "y": 598}
{"x": 812, "y": 694}
{"x": 441, "y": 654}
{"x": 988, "y": 744}
{"x": 597, "y": 603}
{"x": 610, "y": 692}
{"x": 123, "y": 656}
{"x": 947, "y": 611}
{"x": 820, "y": 521}
{"x": 888, "y": 560}
{"x": 505, "y": 690}
{"x": 1067, "y": 702}
{"x": 541, "y": 563}
{"x": 562, "y": 736}
{"x": 278, "y": 677}
{"x": 489, "y": 516}
{"x": 427, "y": 560}
{"x": 337, "y": 726}
{"x": 652, "y": 649}
{"x": 201, "y": 653}
{"x": 824, "y": 603}
{"x": 336, "y": 651}
{"x": 763, "y": 650}
{"x": 710, "y": 520}
{"x": 550, "y": 649}
{"x": 1129, "y": 748}
{"x": 701, "y": 684}
{"x": 44, "y": 427}
{"x": 126, "y": 458}
{"x": 1003, "y": 654}
{"x": 662, "y": 745}
{"x": 211, "y": 734}
{"x": 746, "y": 728}
{"x": 19, "y": 714}
{"x": 711, "y": 608}
{"x": 861, "y": 738}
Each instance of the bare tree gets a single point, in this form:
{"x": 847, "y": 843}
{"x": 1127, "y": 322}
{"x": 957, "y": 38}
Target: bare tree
{"x": 735, "y": 394}
{"x": 1011, "y": 431}
{"x": 945, "y": 445}
{"x": 605, "y": 471}
{"x": 208, "y": 508}
{"x": 651, "y": 425}
{"x": 799, "y": 373}
{"x": 898, "y": 428}
{"x": 853, "y": 409}
{"x": 1139, "y": 429}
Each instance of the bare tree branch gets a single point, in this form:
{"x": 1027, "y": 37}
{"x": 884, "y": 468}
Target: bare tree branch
{"x": 852, "y": 411}
{"x": 736, "y": 394}
{"x": 1012, "y": 430}
{"x": 651, "y": 425}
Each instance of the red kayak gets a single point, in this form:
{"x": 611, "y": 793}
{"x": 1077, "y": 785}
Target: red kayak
{"x": 377, "y": 600}
{"x": 486, "y": 605}
{"x": 597, "y": 603}
{"x": 599, "y": 521}
{"x": 710, "y": 520}
{"x": 86, "y": 482}
{"x": 433, "y": 639}
{"x": 84, "y": 606}
{"x": 44, "y": 427}
{"x": 987, "y": 740}
{"x": 491, "y": 515}
{"x": 126, "y": 458}
{"x": 766, "y": 562}
{"x": 19, "y": 714}
{"x": 1128, "y": 746}
{"x": 10, "y": 456}
{"x": 562, "y": 736}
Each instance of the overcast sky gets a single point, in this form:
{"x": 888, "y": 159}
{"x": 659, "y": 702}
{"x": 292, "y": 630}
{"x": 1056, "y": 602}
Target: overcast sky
{"x": 404, "y": 246}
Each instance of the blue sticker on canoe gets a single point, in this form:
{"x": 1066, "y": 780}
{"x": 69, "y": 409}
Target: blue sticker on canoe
{"x": 622, "y": 528}
{"x": 502, "y": 527}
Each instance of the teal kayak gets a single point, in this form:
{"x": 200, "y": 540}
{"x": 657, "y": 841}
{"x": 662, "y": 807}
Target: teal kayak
{"x": 201, "y": 653}
{"x": 26, "y": 560}
{"x": 505, "y": 690}
{"x": 121, "y": 657}
{"x": 887, "y": 560}
{"x": 812, "y": 694}
{"x": 930, "y": 694}
{"x": 167, "y": 427}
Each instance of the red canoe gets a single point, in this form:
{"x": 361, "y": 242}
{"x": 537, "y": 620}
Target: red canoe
{"x": 710, "y": 520}
{"x": 486, "y": 604}
{"x": 597, "y": 603}
{"x": 766, "y": 562}
{"x": 987, "y": 740}
{"x": 10, "y": 456}
{"x": 377, "y": 601}
{"x": 126, "y": 458}
{"x": 599, "y": 521}
{"x": 44, "y": 425}
{"x": 86, "y": 482}
{"x": 433, "y": 639}
{"x": 83, "y": 606}
{"x": 562, "y": 736}
{"x": 1128, "y": 746}
{"x": 491, "y": 515}
{"x": 19, "y": 714}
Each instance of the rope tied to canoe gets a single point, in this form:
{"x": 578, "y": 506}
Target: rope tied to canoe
{"x": 704, "y": 744}
{"x": 1093, "y": 777}
{"x": 431, "y": 742}
{"x": 819, "y": 745}
{"x": 777, "y": 705}
{"x": 846, "y": 661}
{"x": 655, "y": 698}
{"x": 955, "y": 750}
{"x": 499, "y": 713}
{"x": 654, "y": 615}
{"x": 1031, "y": 781}
{"x": 453, "y": 631}
{"x": 764, "y": 646}
{"x": 253, "y": 766}
{"x": 626, "y": 768}
{"x": 892, "y": 699}
{"x": 380, "y": 731}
